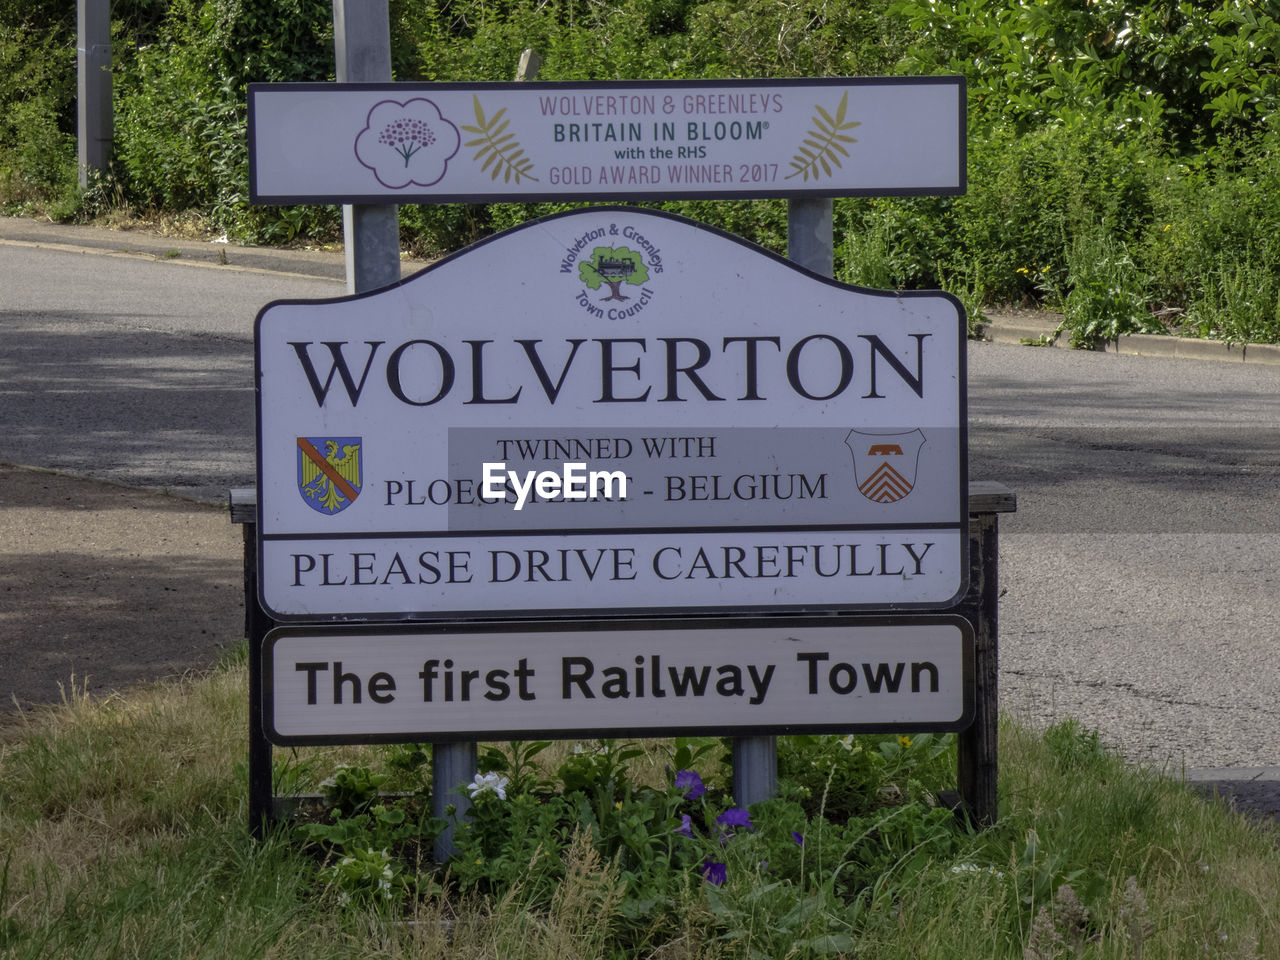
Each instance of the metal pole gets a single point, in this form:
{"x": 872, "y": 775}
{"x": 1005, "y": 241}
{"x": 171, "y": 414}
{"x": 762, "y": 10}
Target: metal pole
{"x": 809, "y": 243}
{"x": 256, "y": 625}
{"x": 362, "y": 52}
{"x": 371, "y": 232}
{"x": 978, "y": 748}
{"x": 809, "y": 235}
{"x": 453, "y": 765}
{"x": 94, "y": 126}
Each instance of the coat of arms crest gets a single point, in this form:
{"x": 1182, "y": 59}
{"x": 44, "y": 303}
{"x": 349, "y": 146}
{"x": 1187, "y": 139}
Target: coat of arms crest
{"x": 884, "y": 464}
{"x": 329, "y": 481}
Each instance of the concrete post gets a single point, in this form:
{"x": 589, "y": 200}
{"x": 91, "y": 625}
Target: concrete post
{"x": 94, "y": 125}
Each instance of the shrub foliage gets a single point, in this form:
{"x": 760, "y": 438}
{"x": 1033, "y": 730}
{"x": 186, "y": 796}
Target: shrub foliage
{"x": 1140, "y": 133}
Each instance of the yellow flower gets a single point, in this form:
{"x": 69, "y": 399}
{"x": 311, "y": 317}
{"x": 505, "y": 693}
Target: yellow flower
{"x": 904, "y": 742}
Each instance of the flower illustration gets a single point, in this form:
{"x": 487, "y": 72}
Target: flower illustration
{"x": 406, "y": 137}
{"x": 407, "y": 143}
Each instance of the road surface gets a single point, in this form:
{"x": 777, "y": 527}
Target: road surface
{"x": 1140, "y": 569}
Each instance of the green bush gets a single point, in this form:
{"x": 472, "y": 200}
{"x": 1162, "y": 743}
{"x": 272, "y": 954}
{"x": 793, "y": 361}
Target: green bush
{"x": 1034, "y": 65}
{"x": 181, "y": 108}
{"x": 37, "y": 103}
{"x": 1140, "y": 134}
{"x": 1105, "y": 299}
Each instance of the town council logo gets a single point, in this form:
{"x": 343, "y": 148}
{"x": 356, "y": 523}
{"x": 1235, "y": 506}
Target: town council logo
{"x": 329, "y": 482}
{"x": 619, "y": 273}
{"x": 884, "y": 464}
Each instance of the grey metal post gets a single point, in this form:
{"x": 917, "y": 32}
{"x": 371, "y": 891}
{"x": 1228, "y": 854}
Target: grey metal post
{"x": 371, "y": 232}
{"x": 809, "y": 243}
{"x": 94, "y": 126}
{"x": 453, "y": 765}
{"x": 809, "y": 238}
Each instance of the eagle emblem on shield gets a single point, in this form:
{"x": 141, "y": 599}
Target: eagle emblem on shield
{"x": 884, "y": 464}
{"x": 329, "y": 472}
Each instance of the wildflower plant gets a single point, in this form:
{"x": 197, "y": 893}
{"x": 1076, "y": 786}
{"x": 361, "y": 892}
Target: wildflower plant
{"x": 366, "y": 875}
{"x": 798, "y": 869}
{"x": 350, "y": 790}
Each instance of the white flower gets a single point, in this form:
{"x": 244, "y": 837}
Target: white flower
{"x": 344, "y": 898}
{"x": 488, "y": 782}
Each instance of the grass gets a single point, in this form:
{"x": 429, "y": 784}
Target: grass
{"x": 122, "y": 834}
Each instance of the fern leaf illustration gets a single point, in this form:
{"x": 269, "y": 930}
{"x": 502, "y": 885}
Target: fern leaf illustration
{"x": 499, "y": 148}
{"x": 822, "y": 146}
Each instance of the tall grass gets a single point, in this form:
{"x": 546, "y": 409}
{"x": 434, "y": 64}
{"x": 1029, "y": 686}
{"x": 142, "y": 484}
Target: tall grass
{"x": 122, "y": 834}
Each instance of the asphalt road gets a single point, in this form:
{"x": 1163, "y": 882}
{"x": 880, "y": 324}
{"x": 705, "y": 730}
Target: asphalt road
{"x": 1141, "y": 566}
{"x": 1139, "y": 569}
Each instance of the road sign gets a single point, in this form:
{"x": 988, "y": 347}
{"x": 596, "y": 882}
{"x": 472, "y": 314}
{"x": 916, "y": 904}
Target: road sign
{"x": 479, "y": 142}
{"x": 611, "y": 412}
{"x": 386, "y": 684}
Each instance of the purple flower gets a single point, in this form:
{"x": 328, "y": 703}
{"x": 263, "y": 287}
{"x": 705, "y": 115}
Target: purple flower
{"x": 735, "y": 817}
{"x": 714, "y": 873}
{"x": 691, "y": 783}
{"x": 798, "y": 838}
{"x": 686, "y": 826}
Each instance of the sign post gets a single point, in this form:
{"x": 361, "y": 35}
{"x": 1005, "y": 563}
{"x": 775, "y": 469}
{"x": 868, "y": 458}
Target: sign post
{"x": 577, "y": 448}
{"x": 615, "y": 424}
{"x": 809, "y": 243}
{"x": 371, "y": 231}
{"x": 94, "y": 120}
{"x": 624, "y": 141}
{"x": 382, "y": 684}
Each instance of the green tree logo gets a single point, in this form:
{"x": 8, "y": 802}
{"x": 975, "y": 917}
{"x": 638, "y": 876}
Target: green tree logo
{"x": 612, "y": 267}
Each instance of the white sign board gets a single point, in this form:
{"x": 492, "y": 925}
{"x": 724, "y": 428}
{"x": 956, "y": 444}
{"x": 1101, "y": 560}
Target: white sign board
{"x": 611, "y": 412}
{"x": 472, "y": 143}
{"x": 575, "y": 679}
